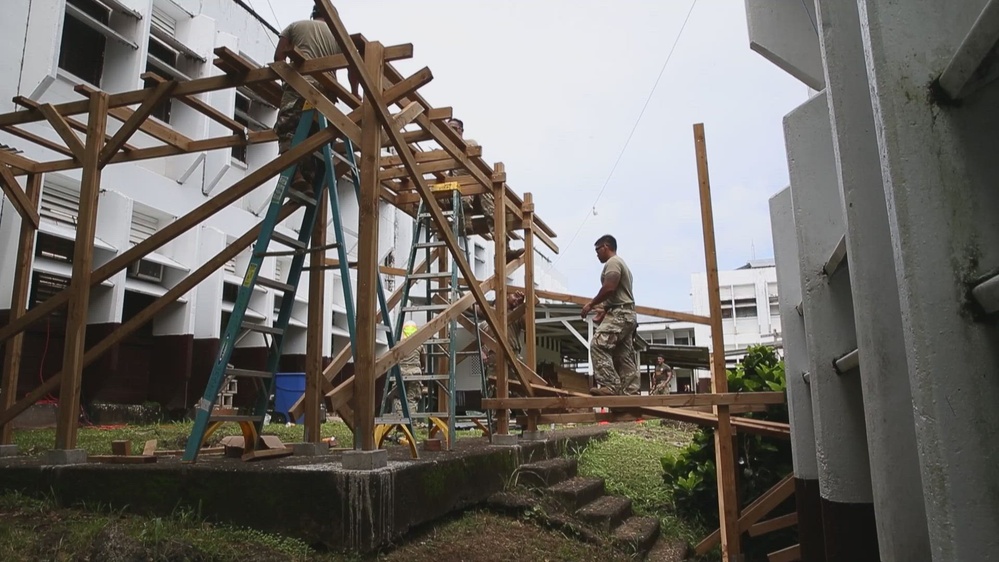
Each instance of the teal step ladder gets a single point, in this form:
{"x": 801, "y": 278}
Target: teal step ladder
{"x": 206, "y": 422}
{"x": 441, "y": 290}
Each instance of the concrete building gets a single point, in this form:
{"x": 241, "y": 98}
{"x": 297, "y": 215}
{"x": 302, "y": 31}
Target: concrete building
{"x": 888, "y": 236}
{"x": 57, "y": 45}
{"x": 749, "y": 307}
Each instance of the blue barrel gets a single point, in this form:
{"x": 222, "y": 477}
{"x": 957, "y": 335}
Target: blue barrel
{"x": 288, "y": 388}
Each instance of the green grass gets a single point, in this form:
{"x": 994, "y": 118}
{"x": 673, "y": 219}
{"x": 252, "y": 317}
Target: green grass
{"x": 96, "y": 440}
{"x": 629, "y": 462}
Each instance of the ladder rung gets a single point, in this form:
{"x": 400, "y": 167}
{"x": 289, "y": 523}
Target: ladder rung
{"x": 382, "y": 328}
{"x": 437, "y": 341}
{"x": 289, "y": 241}
{"x": 261, "y": 328}
{"x": 248, "y": 373}
{"x": 301, "y": 197}
{"x": 272, "y": 284}
{"x": 408, "y": 378}
{"x": 430, "y": 244}
{"x": 426, "y": 308}
{"x": 236, "y": 418}
{"x": 297, "y": 252}
{"x": 432, "y": 275}
{"x": 466, "y": 353}
{"x": 391, "y": 420}
{"x": 445, "y": 212}
{"x": 430, "y": 415}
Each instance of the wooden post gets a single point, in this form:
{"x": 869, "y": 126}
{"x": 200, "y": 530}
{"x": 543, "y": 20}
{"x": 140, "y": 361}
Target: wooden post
{"x": 18, "y": 304}
{"x": 728, "y": 503}
{"x": 83, "y": 258}
{"x": 529, "y": 291}
{"x": 499, "y": 237}
{"x": 317, "y": 330}
{"x": 530, "y": 329}
{"x": 367, "y": 257}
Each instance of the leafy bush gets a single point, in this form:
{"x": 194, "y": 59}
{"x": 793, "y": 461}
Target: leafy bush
{"x": 761, "y": 461}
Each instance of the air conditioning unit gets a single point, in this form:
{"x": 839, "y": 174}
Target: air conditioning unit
{"x": 146, "y": 270}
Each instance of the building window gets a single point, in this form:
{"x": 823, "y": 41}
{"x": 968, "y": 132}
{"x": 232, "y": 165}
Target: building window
{"x": 82, "y": 50}
{"x": 745, "y": 308}
{"x": 681, "y": 340}
{"x": 247, "y": 114}
{"x": 161, "y": 61}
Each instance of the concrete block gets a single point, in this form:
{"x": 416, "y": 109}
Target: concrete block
{"x": 365, "y": 460}
{"x": 433, "y": 445}
{"x": 66, "y": 456}
{"x": 310, "y": 449}
{"x": 534, "y": 436}
{"x": 505, "y": 440}
{"x": 8, "y": 451}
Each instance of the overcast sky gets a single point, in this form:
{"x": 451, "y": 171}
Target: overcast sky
{"x": 552, "y": 88}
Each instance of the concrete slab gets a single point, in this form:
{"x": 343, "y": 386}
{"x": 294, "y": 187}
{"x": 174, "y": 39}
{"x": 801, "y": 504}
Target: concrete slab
{"x": 66, "y": 456}
{"x": 310, "y": 449}
{"x": 365, "y": 460}
{"x": 505, "y": 440}
{"x": 8, "y": 450}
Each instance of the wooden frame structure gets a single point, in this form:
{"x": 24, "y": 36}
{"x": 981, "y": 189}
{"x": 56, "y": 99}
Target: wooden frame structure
{"x": 391, "y": 113}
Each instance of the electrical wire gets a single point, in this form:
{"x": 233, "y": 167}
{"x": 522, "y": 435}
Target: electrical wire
{"x": 630, "y": 135}
{"x": 273, "y": 13}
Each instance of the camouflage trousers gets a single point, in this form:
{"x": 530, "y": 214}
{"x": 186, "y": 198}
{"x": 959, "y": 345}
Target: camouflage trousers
{"x": 289, "y": 116}
{"x": 613, "y": 352}
{"x": 414, "y": 391}
{"x": 471, "y": 205}
{"x": 661, "y": 387}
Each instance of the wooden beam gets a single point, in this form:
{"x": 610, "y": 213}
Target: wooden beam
{"x": 755, "y": 511}
{"x": 18, "y": 304}
{"x": 151, "y": 128}
{"x": 657, "y": 312}
{"x": 312, "y": 95}
{"x": 789, "y": 554}
{"x": 728, "y": 501}
{"x": 168, "y": 233}
{"x": 316, "y": 330}
{"x": 130, "y": 126}
{"x": 40, "y": 141}
{"x": 146, "y": 315}
{"x": 499, "y": 263}
{"x": 775, "y": 524}
{"x": 675, "y": 400}
{"x": 79, "y": 285}
{"x": 200, "y": 86}
{"x": 373, "y": 92}
{"x": 17, "y": 197}
{"x": 367, "y": 257}
{"x": 407, "y": 115}
{"x": 530, "y": 293}
{"x": 65, "y": 132}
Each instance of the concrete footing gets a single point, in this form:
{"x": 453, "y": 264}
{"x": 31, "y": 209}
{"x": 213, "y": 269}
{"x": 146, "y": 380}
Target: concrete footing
{"x": 505, "y": 440}
{"x": 66, "y": 456}
{"x": 8, "y": 450}
{"x": 533, "y": 436}
{"x": 310, "y": 449}
{"x": 365, "y": 460}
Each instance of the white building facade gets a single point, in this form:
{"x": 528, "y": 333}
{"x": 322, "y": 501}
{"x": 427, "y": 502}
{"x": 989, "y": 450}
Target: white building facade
{"x": 55, "y": 46}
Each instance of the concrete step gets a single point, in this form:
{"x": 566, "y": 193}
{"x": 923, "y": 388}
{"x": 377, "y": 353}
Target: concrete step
{"x": 637, "y": 534}
{"x": 546, "y": 473}
{"x": 606, "y": 512}
{"x": 576, "y": 492}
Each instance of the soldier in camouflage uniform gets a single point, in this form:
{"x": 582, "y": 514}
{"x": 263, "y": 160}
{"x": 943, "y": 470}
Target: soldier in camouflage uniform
{"x": 612, "y": 348}
{"x": 514, "y": 334}
{"x": 662, "y": 377}
{"x": 313, "y": 39}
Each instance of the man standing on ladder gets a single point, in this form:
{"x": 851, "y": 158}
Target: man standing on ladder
{"x": 411, "y": 366}
{"x": 313, "y": 39}
{"x": 613, "y": 348}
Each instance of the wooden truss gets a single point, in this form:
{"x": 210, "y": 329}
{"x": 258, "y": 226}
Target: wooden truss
{"x": 392, "y": 113}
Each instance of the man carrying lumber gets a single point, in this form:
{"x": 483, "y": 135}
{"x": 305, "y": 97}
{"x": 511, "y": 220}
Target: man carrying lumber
{"x": 613, "y": 348}
{"x": 313, "y": 39}
{"x": 662, "y": 377}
